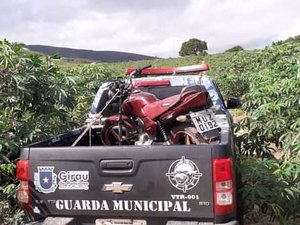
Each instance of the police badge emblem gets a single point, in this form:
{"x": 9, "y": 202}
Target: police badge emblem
{"x": 45, "y": 180}
{"x": 183, "y": 174}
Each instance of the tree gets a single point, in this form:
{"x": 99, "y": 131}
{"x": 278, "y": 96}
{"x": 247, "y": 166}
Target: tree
{"x": 193, "y": 46}
{"x": 236, "y": 48}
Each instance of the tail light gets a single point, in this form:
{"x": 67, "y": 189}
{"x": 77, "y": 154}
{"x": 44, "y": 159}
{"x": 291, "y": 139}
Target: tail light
{"x": 22, "y": 174}
{"x": 23, "y": 193}
{"x": 23, "y": 170}
{"x": 223, "y": 186}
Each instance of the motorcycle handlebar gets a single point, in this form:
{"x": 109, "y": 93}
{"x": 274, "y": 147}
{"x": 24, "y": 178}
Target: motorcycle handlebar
{"x": 117, "y": 84}
{"x": 121, "y": 84}
{"x": 138, "y": 71}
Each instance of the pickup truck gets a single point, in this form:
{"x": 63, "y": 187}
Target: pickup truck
{"x": 132, "y": 184}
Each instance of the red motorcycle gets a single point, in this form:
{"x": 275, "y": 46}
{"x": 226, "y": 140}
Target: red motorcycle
{"x": 143, "y": 119}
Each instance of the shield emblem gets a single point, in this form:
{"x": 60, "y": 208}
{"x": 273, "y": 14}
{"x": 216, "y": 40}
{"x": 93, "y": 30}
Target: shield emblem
{"x": 45, "y": 180}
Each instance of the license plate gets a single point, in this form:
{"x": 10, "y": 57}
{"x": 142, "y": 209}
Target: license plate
{"x": 204, "y": 121}
{"x": 120, "y": 222}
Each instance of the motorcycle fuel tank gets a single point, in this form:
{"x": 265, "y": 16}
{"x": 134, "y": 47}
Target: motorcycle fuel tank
{"x": 133, "y": 105}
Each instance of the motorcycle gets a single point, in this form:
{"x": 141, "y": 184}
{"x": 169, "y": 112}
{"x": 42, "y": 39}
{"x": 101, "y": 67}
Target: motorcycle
{"x": 143, "y": 119}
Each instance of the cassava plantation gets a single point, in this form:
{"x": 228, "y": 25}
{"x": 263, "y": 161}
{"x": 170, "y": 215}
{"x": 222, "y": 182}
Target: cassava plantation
{"x": 43, "y": 96}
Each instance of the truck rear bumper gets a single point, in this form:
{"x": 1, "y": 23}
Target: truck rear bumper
{"x": 72, "y": 221}
{"x": 234, "y": 222}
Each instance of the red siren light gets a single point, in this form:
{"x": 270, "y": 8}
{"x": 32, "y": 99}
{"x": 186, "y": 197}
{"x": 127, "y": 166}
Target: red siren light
{"x": 171, "y": 70}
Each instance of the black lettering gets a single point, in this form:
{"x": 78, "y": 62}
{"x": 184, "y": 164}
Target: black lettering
{"x": 201, "y": 127}
{"x": 198, "y": 119}
{"x": 209, "y": 116}
{"x": 215, "y": 123}
{"x": 206, "y": 126}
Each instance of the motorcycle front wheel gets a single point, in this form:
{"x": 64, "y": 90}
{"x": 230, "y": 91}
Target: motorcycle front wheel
{"x": 110, "y": 135}
{"x": 185, "y": 134}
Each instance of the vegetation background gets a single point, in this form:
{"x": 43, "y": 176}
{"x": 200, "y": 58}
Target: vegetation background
{"x": 43, "y": 96}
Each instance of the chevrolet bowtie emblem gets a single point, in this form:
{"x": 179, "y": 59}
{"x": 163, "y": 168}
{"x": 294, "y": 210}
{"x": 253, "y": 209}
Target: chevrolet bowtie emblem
{"x": 117, "y": 187}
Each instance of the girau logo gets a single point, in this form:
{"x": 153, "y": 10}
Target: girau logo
{"x": 45, "y": 180}
{"x": 183, "y": 174}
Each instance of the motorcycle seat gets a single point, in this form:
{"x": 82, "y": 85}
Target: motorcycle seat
{"x": 160, "y": 107}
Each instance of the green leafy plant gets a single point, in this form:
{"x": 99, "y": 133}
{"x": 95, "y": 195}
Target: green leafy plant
{"x": 37, "y": 100}
{"x": 271, "y": 132}
{"x": 87, "y": 80}
{"x": 35, "y": 97}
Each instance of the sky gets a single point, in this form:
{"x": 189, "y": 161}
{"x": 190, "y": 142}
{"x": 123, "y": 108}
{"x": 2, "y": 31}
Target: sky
{"x": 150, "y": 27}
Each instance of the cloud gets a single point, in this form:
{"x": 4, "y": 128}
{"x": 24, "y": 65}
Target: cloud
{"x": 251, "y": 23}
{"x": 137, "y": 7}
{"x": 291, "y": 29}
{"x": 149, "y": 27}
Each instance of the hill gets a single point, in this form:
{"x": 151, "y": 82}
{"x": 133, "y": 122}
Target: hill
{"x": 219, "y": 63}
{"x": 103, "y": 56}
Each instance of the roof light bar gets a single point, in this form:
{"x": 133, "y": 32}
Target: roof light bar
{"x": 172, "y": 70}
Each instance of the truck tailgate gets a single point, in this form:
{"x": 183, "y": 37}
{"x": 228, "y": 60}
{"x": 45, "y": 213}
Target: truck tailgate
{"x": 128, "y": 181}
